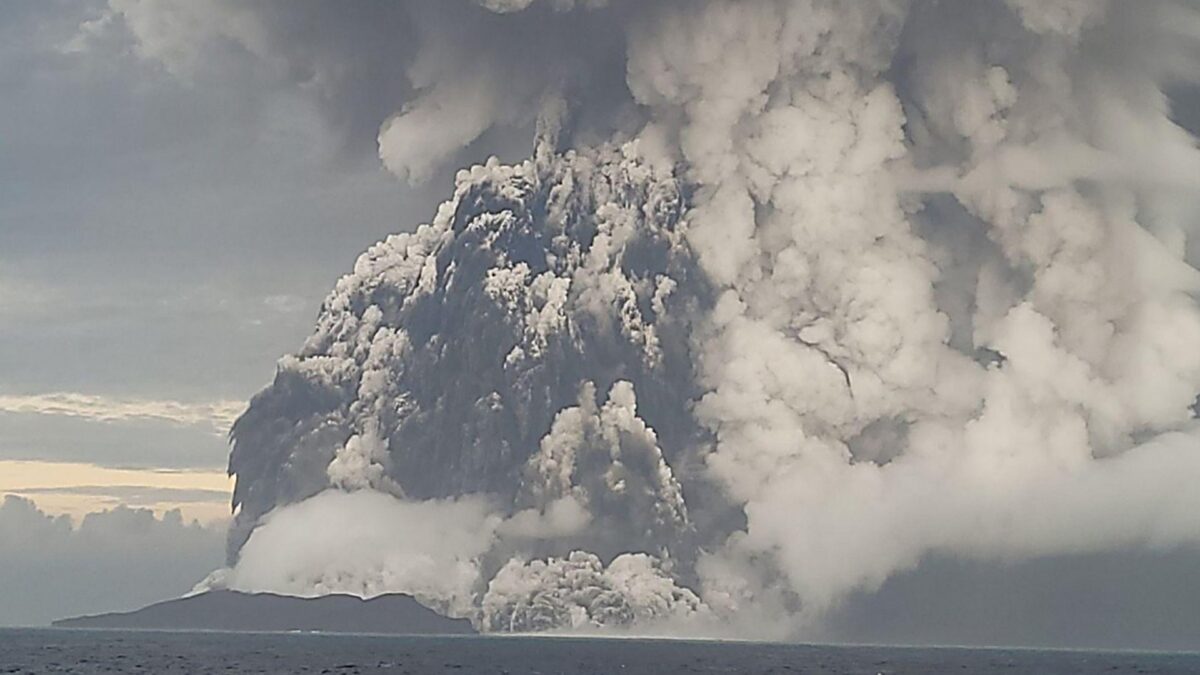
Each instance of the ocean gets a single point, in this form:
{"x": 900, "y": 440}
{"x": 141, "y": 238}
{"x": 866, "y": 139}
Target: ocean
{"x": 36, "y": 651}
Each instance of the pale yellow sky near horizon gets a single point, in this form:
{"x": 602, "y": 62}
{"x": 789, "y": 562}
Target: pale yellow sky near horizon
{"x": 76, "y": 489}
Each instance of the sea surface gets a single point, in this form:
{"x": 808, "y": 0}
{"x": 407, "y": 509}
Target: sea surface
{"x": 78, "y": 651}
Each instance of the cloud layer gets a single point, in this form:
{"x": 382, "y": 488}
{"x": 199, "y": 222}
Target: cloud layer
{"x": 78, "y": 489}
{"x": 218, "y": 416}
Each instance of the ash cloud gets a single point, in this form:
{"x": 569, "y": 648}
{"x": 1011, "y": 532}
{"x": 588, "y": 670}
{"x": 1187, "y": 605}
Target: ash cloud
{"x": 423, "y": 78}
{"x": 843, "y": 286}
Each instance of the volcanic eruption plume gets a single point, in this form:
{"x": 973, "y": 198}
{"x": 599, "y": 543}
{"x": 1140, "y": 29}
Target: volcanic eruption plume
{"x": 790, "y": 295}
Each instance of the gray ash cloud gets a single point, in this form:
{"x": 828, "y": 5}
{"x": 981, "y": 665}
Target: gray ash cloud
{"x": 789, "y": 297}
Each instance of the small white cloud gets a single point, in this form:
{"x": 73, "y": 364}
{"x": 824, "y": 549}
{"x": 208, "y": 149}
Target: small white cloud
{"x": 218, "y": 415}
{"x": 285, "y": 304}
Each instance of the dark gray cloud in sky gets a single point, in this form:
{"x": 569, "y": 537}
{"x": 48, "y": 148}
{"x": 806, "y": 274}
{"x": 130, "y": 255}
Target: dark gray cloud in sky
{"x": 132, "y": 199}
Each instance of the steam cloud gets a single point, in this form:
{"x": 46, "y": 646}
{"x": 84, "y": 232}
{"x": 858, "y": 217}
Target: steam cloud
{"x": 791, "y": 295}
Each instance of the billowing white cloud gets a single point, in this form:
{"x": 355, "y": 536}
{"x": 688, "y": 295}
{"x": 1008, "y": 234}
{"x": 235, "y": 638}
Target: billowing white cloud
{"x": 828, "y": 322}
{"x": 367, "y": 544}
{"x": 580, "y": 593}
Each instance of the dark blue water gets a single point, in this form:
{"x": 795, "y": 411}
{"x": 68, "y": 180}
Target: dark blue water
{"x": 85, "y": 652}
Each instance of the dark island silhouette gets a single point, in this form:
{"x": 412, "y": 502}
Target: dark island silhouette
{"x": 265, "y": 612}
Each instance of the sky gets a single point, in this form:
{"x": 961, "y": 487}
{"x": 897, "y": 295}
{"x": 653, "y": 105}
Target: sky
{"x": 162, "y": 243}
{"x": 169, "y": 227}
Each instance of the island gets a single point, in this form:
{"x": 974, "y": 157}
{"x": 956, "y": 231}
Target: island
{"x": 393, "y": 614}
